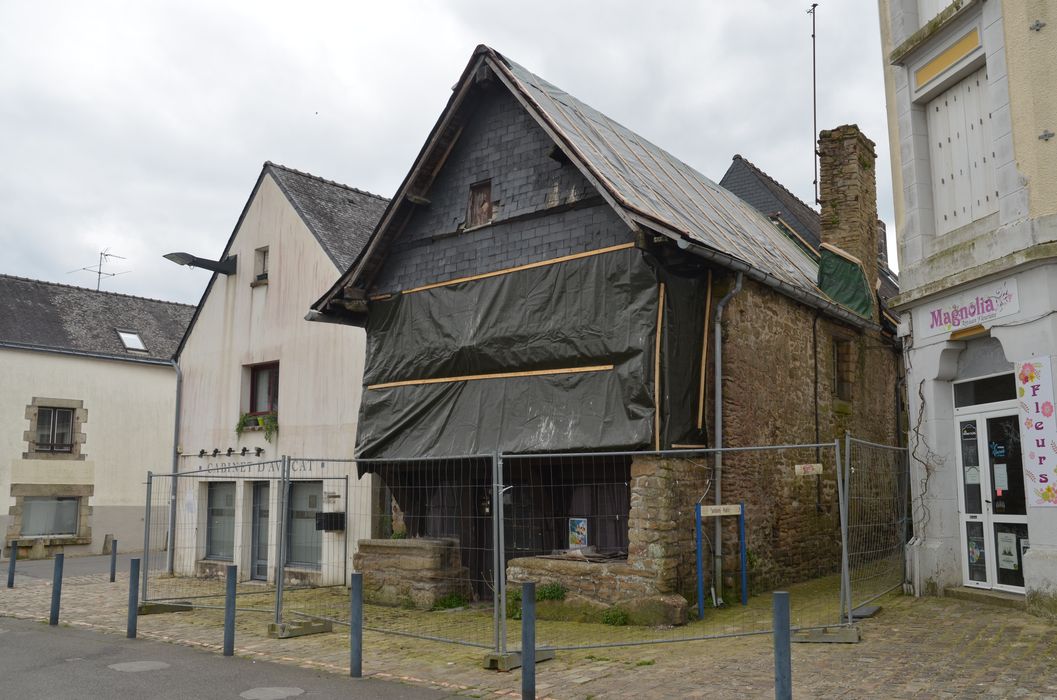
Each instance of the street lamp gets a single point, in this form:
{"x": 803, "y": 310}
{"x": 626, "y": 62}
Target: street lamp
{"x": 224, "y": 267}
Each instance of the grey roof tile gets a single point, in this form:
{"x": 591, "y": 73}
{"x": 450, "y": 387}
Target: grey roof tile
{"x": 48, "y": 315}
{"x": 342, "y": 218}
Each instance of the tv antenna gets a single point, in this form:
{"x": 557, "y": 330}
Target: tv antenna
{"x": 104, "y": 257}
{"x": 814, "y": 106}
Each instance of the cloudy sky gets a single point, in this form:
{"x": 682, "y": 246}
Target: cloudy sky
{"x": 141, "y": 127}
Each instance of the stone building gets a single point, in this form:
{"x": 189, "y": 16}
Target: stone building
{"x": 87, "y": 406}
{"x": 545, "y": 281}
{"x": 972, "y": 116}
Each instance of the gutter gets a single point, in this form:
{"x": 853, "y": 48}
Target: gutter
{"x": 83, "y": 353}
{"x": 717, "y": 474}
{"x": 170, "y": 550}
{"x": 766, "y": 279}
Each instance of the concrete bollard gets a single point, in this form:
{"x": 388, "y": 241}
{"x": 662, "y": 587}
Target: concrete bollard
{"x": 56, "y": 590}
{"x": 356, "y": 626}
{"x": 133, "y": 599}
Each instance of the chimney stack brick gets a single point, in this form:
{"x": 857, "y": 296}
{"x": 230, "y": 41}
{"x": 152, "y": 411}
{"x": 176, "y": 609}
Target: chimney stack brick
{"x": 848, "y": 194}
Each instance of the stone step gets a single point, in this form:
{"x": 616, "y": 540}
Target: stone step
{"x": 989, "y": 597}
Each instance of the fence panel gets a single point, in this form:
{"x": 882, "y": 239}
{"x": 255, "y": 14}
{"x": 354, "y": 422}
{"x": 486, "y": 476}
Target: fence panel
{"x": 610, "y": 540}
{"x": 421, "y": 533}
{"x": 199, "y": 521}
{"x": 877, "y": 483}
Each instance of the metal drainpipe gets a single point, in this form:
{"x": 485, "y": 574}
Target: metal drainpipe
{"x": 170, "y": 541}
{"x": 717, "y": 546}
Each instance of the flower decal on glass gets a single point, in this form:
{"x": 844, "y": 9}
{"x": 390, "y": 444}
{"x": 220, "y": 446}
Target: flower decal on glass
{"x": 1047, "y": 409}
{"x": 1028, "y": 373}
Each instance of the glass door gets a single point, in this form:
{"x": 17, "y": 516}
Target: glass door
{"x": 259, "y": 570}
{"x": 994, "y": 523}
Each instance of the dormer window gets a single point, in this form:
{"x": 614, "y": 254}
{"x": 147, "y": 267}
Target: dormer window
{"x": 131, "y": 341}
{"x": 479, "y": 211}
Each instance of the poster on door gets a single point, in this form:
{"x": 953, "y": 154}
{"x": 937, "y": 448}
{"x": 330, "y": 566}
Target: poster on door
{"x": 1038, "y": 430}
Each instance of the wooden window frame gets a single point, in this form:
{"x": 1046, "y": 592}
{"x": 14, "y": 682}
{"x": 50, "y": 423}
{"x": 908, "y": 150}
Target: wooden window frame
{"x": 273, "y": 388}
{"x": 52, "y": 445}
{"x": 479, "y": 192}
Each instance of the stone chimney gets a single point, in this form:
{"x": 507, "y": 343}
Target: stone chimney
{"x": 848, "y": 194}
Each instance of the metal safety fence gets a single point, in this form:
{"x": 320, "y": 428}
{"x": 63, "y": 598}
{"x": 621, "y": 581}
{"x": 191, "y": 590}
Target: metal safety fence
{"x": 876, "y": 481}
{"x": 624, "y": 547}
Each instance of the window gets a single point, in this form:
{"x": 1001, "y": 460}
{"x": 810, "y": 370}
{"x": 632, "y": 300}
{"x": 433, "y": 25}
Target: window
{"x": 479, "y": 212}
{"x": 46, "y": 515}
{"x": 961, "y": 153}
{"x": 220, "y": 523}
{"x": 305, "y": 541}
{"x": 132, "y": 341}
{"x": 260, "y": 264}
{"x": 54, "y": 430}
{"x": 988, "y": 390}
{"x": 843, "y": 369}
{"x": 264, "y": 388}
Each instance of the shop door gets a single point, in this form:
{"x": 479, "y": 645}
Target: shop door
{"x": 259, "y": 570}
{"x": 994, "y": 522}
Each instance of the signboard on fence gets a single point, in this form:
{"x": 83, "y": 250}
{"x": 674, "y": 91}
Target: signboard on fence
{"x": 807, "y": 469}
{"x": 1038, "y": 430}
{"x": 713, "y": 511}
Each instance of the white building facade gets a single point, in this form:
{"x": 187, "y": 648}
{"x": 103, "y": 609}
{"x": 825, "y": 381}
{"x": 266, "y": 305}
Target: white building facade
{"x": 260, "y": 383}
{"x": 87, "y": 407}
{"x": 972, "y": 116}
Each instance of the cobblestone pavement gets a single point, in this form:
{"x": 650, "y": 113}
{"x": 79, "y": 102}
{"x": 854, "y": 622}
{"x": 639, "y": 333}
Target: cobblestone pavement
{"x": 915, "y": 648}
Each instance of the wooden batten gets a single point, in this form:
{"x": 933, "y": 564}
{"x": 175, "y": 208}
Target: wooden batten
{"x": 498, "y": 375}
{"x": 704, "y": 355}
{"x": 657, "y": 369}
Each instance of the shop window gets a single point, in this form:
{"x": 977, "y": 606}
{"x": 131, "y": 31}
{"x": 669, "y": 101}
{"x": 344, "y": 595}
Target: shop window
{"x": 264, "y": 388}
{"x": 50, "y": 515}
{"x": 843, "y": 370}
{"x": 305, "y": 542}
{"x": 480, "y": 207}
{"x": 987, "y": 390}
{"x": 54, "y": 429}
{"x": 220, "y": 523}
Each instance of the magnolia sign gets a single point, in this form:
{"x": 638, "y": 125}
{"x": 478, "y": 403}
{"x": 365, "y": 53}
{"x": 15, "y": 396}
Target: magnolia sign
{"x": 1038, "y": 431}
{"x": 967, "y": 309}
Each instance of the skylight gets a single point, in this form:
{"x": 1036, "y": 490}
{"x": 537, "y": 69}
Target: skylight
{"x": 132, "y": 341}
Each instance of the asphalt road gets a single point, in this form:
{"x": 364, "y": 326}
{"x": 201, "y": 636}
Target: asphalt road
{"x": 60, "y": 663}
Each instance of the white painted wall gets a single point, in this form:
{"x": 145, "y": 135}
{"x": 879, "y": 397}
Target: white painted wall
{"x": 320, "y": 365}
{"x": 130, "y": 408}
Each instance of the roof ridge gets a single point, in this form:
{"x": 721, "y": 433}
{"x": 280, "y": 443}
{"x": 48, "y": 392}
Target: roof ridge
{"x": 761, "y": 171}
{"x": 95, "y": 291}
{"x": 343, "y": 186}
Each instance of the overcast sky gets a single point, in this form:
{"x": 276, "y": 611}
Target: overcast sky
{"x": 141, "y": 127}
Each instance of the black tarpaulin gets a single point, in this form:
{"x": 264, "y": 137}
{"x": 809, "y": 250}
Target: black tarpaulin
{"x": 589, "y": 312}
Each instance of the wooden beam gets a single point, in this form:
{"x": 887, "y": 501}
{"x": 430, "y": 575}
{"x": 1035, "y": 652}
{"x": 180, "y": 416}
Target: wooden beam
{"x": 507, "y": 271}
{"x": 704, "y": 356}
{"x": 657, "y": 369}
{"x": 499, "y": 375}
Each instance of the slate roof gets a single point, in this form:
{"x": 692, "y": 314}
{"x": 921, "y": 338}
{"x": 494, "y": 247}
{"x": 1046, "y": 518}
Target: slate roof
{"x": 768, "y": 196}
{"x": 657, "y": 189}
{"x": 341, "y": 217}
{"x": 49, "y": 316}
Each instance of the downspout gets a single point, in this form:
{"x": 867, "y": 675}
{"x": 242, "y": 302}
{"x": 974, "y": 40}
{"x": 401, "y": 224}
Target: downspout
{"x": 717, "y": 545}
{"x": 171, "y": 535}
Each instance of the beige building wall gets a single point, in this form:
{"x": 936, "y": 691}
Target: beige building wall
{"x": 127, "y": 418}
{"x": 242, "y": 323}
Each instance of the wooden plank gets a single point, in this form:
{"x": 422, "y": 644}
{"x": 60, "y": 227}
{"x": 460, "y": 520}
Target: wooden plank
{"x": 657, "y": 370}
{"x": 519, "y": 268}
{"x": 499, "y": 375}
{"x": 704, "y": 355}
{"x": 717, "y": 511}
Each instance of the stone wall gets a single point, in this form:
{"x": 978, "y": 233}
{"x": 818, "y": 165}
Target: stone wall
{"x": 415, "y": 572}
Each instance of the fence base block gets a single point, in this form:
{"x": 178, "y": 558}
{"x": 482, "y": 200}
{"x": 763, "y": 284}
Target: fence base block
{"x": 159, "y": 608}
{"x": 286, "y": 630}
{"x": 512, "y": 659}
{"x": 829, "y": 635}
{"x": 865, "y": 611}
